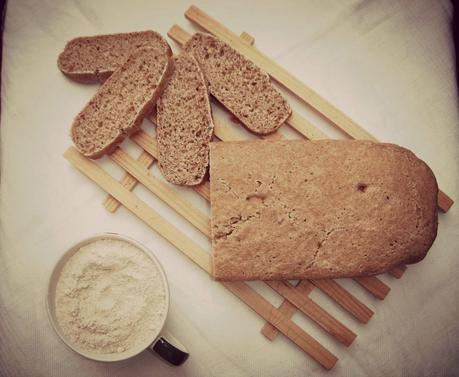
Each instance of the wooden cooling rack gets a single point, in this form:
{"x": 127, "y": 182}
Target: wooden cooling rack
{"x": 296, "y": 297}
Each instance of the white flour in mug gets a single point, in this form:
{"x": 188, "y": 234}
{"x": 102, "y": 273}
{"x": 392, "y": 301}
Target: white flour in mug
{"x": 110, "y": 297}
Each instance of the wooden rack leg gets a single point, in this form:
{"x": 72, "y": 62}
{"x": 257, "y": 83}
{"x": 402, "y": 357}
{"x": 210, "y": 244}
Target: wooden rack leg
{"x": 398, "y": 271}
{"x": 373, "y": 285}
{"x": 287, "y": 309}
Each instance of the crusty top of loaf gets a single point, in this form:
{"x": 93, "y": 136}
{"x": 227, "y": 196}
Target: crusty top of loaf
{"x": 239, "y": 85}
{"x": 95, "y": 58}
{"x": 318, "y": 209}
{"x": 121, "y": 103}
{"x": 185, "y": 124}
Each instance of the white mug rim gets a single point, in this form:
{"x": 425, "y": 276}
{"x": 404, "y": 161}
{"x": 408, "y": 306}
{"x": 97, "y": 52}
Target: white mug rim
{"x": 111, "y": 357}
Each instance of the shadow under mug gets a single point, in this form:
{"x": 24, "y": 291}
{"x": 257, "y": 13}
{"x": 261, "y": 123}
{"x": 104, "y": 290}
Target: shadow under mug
{"x": 162, "y": 343}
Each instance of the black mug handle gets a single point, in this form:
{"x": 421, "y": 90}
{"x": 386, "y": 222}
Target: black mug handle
{"x": 169, "y": 349}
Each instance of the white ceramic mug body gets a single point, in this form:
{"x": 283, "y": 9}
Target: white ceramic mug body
{"x": 166, "y": 346}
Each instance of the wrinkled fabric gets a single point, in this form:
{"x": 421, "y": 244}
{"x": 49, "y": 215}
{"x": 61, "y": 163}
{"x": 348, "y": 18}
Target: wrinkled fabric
{"x": 389, "y": 65}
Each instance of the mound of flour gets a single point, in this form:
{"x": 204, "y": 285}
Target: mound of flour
{"x": 110, "y": 297}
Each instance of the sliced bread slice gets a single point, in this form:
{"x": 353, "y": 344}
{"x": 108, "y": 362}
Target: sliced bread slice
{"x": 121, "y": 103}
{"x": 242, "y": 87}
{"x": 94, "y": 59}
{"x": 185, "y": 124}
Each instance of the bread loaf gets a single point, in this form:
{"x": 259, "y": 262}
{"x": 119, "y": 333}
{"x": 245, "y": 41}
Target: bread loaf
{"x": 94, "y": 59}
{"x": 318, "y": 209}
{"x": 121, "y": 103}
{"x": 185, "y": 124}
{"x": 239, "y": 84}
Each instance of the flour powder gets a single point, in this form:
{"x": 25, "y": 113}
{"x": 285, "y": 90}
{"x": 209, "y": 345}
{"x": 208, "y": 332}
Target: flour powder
{"x": 110, "y": 297}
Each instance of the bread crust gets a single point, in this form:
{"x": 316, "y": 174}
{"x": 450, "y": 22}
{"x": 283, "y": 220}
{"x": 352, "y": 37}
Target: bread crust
{"x": 318, "y": 209}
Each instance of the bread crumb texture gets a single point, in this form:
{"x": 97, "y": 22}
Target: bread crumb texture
{"x": 318, "y": 209}
{"x": 95, "y": 58}
{"x": 119, "y": 106}
{"x": 239, "y": 84}
{"x": 185, "y": 125}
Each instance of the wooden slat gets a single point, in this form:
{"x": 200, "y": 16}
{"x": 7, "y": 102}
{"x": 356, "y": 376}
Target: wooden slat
{"x": 128, "y": 181}
{"x": 292, "y": 331}
{"x": 304, "y": 127}
{"x": 287, "y": 309}
{"x": 344, "y": 299}
{"x": 375, "y": 286}
{"x": 314, "y": 311}
{"x": 203, "y": 189}
{"x": 147, "y": 142}
{"x": 274, "y": 136}
{"x": 444, "y": 201}
{"x": 225, "y": 132}
{"x": 309, "y": 96}
{"x": 139, "y": 208}
{"x": 296, "y": 121}
{"x": 397, "y": 272}
{"x": 247, "y": 38}
{"x": 178, "y": 34}
{"x": 289, "y": 328}
{"x": 162, "y": 191}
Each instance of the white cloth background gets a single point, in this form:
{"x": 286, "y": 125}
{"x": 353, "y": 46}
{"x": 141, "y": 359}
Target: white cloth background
{"x": 388, "y": 64}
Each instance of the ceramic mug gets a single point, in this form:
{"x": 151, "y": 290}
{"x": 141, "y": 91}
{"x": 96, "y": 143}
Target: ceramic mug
{"x": 162, "y": 343}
